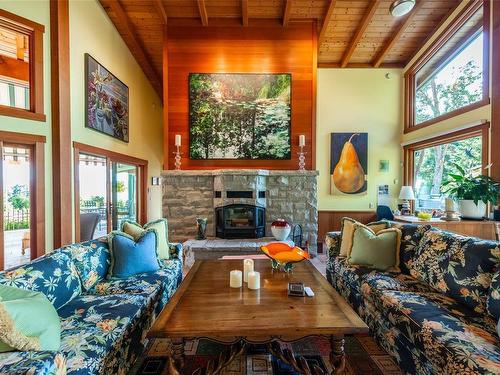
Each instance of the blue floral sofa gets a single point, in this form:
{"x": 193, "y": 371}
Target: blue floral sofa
{"x": 438, "y": 315}
{"x": 103, "y": 322}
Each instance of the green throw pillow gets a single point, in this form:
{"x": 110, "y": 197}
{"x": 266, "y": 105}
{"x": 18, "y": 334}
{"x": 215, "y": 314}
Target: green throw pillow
{"x": 28, "y": 321}
{"x": 160, "y": 226}
{"x": 379, "y": 251}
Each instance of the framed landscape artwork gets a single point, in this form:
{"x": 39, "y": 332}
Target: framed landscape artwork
{"x": 348, "y": 163}
{"x": 239, "y": 116}
{"x": 106, "y": 99}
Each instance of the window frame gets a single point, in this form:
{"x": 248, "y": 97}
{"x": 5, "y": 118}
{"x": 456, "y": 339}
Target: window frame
{"x": 410, "y": 75}
{"x": 35, "y": 33}
{"x": 482, "y": 130}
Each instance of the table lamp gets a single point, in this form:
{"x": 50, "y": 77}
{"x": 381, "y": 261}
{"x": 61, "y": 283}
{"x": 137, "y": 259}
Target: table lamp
{"x": 406, "y": 195}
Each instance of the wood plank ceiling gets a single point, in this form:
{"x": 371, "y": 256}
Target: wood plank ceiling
{"x": 352, "y": 33}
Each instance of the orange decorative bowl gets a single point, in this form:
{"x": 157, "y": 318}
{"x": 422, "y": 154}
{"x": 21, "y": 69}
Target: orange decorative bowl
{"x": 283, "y": 256}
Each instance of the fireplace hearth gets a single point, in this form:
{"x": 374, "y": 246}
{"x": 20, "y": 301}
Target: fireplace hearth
{"x": 240, "y": 221}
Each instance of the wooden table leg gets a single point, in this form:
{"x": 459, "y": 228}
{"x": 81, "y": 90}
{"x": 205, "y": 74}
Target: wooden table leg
{"x": 337, "y": 355}
{"x": 175, "y": 360}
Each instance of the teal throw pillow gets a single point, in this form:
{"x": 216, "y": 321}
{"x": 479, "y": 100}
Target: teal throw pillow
{"x": 28, "y": 321}
{"x": 161, "y": 227}
{"x": 130, "y": 257}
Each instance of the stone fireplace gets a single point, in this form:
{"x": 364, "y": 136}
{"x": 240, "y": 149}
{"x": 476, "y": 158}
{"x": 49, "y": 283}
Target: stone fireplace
{"x": 289, "y": 195}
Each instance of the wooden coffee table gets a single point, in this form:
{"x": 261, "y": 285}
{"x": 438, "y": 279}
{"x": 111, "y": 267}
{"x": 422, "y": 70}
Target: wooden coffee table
{"x": 205, "y": 306}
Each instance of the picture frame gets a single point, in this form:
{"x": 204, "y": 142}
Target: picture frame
{"x": 106, "y": 101}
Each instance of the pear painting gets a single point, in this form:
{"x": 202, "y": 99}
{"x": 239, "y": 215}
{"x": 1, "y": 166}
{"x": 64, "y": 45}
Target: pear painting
{"x": 348, "y": 163}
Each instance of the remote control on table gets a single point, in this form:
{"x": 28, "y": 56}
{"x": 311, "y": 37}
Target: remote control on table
{"x": 308, "y": 291}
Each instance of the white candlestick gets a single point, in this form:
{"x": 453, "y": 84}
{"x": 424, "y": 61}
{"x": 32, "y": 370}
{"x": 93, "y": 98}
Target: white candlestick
{"x": 177, "y": 139}
{"x": 247, "y": 267}
{"x": 254, "y": 280}
{"x": 302, "y": 140}
{"x": 235, "y": 279}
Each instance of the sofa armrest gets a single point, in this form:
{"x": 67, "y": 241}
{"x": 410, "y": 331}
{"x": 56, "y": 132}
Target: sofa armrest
{"x": 176, "y": 251}
{"x": 332, "y": 242}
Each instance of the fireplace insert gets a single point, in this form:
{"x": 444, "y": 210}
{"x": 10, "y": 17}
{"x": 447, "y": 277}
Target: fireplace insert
{"x": 240, "y": 221}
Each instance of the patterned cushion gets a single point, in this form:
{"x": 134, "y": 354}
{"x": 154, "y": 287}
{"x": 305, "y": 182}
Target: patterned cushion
{"x": 91, "y": 259}
{"x": 94, "y": 328}
{"x": 493, "y": 301}
{"x": 460, "y": 267}
{"x": 411, "y": 235}
{"x": 452, "y": 337}
{"x": 43, "y": 362}
{"x": 54, "y": 275}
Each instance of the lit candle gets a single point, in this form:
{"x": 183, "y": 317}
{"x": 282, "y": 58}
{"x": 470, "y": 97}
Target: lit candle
{"x": 254, "y": 280}
{"x": 302, "y": 140}
{"x": 247, "y": 267}
{"x": 449, "y": 205}
{"x": 235, "y": 279}
{"x": 177, "y": 139}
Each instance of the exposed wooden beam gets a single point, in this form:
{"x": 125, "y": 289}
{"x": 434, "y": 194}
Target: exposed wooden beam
{"x": 134, "y": 44}
{"x": 395, "y": 37}
{"x": 203, "y": 12}
{"x": 287, "y": 12}
{"x": 326, "y": 21}
{"x": 372, "y": 7}
{"x": 244, "y": 12}
{"x": 162, "y": 11}
{"x": 61, "y": 123}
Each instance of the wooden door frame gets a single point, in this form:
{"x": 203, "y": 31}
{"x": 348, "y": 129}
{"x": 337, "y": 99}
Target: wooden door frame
{"x": 111, "y": 156}
{"x": 36, "y": 145}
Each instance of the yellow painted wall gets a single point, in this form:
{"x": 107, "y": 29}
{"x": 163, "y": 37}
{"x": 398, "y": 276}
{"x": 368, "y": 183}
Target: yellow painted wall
{"x": 92, "y": 32}
{"x": 37, "y": 11}
{"x": 359, "y": 100}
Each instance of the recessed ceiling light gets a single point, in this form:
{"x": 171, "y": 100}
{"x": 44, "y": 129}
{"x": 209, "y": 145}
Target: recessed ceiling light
{"x": 401, "y": 7}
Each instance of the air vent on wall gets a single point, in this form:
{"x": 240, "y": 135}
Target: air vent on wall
{"x": 239, "y": 194}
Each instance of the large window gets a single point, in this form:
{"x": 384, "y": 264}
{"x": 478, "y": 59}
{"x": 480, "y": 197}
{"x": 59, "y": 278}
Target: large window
{"x": 21, "y": 67}
{"x": 452, "y": 75}
{"x": 430, "y": 162}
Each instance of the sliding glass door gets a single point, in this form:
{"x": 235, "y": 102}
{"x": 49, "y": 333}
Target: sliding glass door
{"x": 123, "y": 193}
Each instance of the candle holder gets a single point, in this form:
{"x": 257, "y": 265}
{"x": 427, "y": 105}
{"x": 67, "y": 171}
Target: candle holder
{"x": 177, "y": 159}
{"x": 302, "y": 159}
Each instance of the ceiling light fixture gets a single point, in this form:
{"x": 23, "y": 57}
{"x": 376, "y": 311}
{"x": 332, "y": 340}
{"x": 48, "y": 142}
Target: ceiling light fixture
{"x": 401, "y": 7}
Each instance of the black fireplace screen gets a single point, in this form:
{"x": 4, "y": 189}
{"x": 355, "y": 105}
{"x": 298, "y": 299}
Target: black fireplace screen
{"x": 240, "y": 221}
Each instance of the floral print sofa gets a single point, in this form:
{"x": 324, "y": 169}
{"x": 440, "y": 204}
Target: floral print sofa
{"x": 103, "y": 322}
{"x": 438, "y": 315}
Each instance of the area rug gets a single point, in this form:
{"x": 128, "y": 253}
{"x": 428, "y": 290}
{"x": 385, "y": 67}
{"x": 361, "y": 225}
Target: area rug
{"x": 364, "y": 356}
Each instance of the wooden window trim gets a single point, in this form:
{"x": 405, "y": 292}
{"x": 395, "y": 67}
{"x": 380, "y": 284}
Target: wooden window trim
{"x": 474, "y": 131}
{"x": 142, "y": 180}
{"x": 36, "y": 145}
{"x": 35, "y": 33}
{"x": 443, "y": 38}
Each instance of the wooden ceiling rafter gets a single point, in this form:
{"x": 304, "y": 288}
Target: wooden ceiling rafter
{"x": 162, "y": 11}
{"x": 244, "y": 12}
{"x": 397, "y": 35}
{"x": 135, "y": 45}
{"x": 326, "y": 21}
{"x": 287, "y": 12}
{"x": 365, "y": 21}
{"x": 202, "y": 8}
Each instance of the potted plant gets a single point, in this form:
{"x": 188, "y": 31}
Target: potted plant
{"x": 472, "y": 192}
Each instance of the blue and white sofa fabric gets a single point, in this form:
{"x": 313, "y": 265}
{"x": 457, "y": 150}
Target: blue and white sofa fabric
{"x": 439, "y": 315}
{"x": 103, "y": 321}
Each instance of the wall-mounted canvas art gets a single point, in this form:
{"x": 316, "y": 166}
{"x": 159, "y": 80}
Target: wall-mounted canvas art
{"x": 239, "y": 116}
{"x": 106, "y": 100}
{"x": 348, "y": 163}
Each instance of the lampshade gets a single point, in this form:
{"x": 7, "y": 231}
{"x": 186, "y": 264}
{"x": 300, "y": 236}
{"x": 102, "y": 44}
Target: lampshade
{"x": 401, "y": 7}
{"x": 406, "y": 193}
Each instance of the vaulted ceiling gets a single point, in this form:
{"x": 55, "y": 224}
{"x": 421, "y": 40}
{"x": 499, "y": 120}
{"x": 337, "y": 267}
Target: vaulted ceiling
{"x": 351, "y": 33}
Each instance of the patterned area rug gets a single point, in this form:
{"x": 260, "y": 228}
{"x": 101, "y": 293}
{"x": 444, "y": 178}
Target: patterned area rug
{"x": 364, "y": 356}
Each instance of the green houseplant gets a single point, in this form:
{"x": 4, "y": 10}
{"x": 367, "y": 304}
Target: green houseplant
{"x": 473, "y": 193}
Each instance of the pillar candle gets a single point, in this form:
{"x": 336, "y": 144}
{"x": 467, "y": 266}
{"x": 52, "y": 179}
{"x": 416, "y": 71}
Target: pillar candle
{"x": 449, "y": 205}
{"x": 302, "y": 140}
{"x": 177, "y": 139}
{"x": 247, "y": 267}
{"x": 235, "y": 279}
{"x": 254, "y": 280}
